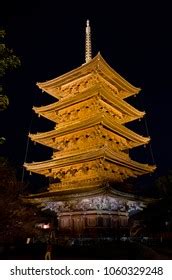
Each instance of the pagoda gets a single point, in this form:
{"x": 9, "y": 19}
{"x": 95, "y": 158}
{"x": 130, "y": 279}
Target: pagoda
{"x": 90, "y": 145}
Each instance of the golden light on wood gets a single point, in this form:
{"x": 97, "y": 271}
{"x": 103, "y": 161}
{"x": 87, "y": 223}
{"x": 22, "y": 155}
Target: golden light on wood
{"x": 90, "y": 141}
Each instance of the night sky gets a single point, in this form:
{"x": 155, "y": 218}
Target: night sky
{"x": 134, "y": 37}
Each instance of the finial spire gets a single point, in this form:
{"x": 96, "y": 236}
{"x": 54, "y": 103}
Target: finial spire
{"x": 88, "y": 54}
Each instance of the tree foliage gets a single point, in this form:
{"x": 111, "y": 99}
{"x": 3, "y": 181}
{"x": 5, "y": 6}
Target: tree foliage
{"x": 157, "y": 217}
{"x": 8, "y": 61}
{"x": 17, "y": 221}
{"x": 164, "y": 185}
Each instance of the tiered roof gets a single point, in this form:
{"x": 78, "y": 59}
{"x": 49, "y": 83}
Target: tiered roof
{"x": 56, "y": 87}
{"x": 90, "y": 140}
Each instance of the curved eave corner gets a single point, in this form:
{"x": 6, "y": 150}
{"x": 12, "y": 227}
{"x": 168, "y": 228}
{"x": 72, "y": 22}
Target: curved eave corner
{"x": 132, "y": 88}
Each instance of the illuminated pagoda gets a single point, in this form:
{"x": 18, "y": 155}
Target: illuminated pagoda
{"x": 90, "y": 144}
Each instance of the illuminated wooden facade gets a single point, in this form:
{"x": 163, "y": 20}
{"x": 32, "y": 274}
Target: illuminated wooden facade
{"x": 90, "y": 145}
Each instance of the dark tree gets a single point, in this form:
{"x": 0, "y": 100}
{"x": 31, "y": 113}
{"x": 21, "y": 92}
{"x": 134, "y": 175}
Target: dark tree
{"x": 17, "y": 221}
{"x": 8, "y": 61}
{"x": 14, "y": 216}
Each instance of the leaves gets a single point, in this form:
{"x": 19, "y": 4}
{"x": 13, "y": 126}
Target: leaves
{"x": 8, "y": 61}
{"x": 4, "y": 102}
{"x": 17, "y": 220}
{"x": 164, "y": 185}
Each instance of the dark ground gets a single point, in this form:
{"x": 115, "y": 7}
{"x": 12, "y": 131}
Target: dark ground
{"x": 103, "y": 251}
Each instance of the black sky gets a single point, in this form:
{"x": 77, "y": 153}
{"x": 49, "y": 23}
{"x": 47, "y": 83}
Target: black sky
{"x": 134, "y": 37}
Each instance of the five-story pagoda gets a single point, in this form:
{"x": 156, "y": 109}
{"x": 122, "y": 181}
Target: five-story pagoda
{"x": 90, "y": 145}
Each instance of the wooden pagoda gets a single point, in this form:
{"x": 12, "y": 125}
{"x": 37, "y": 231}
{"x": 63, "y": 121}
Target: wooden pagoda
{"x": 90, "y": 144}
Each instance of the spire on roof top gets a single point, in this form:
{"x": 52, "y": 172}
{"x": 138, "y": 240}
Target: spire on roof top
{"x": 88, "y": 54}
